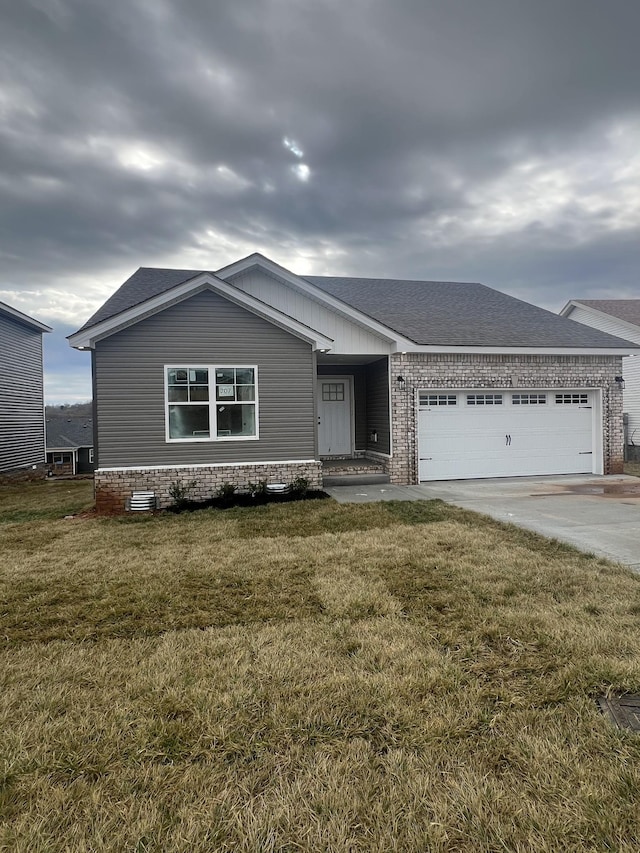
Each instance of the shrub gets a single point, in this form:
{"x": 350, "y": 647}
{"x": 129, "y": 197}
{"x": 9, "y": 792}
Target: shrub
{"x": 226, "y": 491}
{"x": 179, "y": 492}
{"x": 300, "y": 486}
{"x": 258, "y": 490}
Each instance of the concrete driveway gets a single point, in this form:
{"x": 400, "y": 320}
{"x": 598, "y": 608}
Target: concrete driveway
{"x": 600, "y": 515}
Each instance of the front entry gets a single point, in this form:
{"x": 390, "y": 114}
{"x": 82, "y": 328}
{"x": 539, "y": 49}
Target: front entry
{"x": 334, "y": 416}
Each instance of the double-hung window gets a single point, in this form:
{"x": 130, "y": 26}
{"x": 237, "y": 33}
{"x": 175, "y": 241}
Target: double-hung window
{"x": 211, "y": 402}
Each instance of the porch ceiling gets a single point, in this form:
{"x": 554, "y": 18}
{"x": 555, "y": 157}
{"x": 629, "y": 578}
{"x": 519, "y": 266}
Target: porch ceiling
{"x": 336, "y": 358}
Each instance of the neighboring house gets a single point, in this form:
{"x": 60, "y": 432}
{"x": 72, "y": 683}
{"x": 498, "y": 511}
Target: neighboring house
{"x": 21, "y": 392}
{"x": 70, "y": 446}
{"x": 253, "y": 372}
{"x": 619, "y": 317}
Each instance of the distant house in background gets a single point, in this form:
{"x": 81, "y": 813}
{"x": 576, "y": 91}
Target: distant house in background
{"x": 22, "y": 441}
{"x": 620, "y": 317}
{"x": 70, "y": 446}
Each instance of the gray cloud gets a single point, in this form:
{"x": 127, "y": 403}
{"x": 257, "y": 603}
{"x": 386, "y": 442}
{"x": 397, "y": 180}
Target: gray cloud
{"x": 494, "y": 141}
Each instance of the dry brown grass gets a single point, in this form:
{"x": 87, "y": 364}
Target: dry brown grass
{"x": 423, "y": 679}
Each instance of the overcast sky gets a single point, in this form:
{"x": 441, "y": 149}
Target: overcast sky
{"x": 483, "y": 140}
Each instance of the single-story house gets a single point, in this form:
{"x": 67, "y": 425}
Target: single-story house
{"x": 69, "y": 446}
{"x": 21, "y": 394}
{"x": 620, "y": 317}
{"x": 253, "y": 372}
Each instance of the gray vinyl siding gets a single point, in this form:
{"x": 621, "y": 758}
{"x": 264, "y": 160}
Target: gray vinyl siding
{"x": 21, "y": 396}
{"x": 204, "y": 329}
{"x": 378, "y": 406}
{"x": 360, "y": 396}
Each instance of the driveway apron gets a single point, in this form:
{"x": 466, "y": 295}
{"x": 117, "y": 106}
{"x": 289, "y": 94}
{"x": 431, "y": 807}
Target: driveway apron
{"x": 599, "y": 515}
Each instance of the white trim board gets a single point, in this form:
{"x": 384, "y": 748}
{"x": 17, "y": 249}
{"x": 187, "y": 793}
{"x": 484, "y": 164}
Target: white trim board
{"x": 87, "y": 338}
{"x": 207, "y": 465}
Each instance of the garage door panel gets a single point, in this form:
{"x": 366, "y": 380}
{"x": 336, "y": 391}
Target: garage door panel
{"x": 462, "y": 441}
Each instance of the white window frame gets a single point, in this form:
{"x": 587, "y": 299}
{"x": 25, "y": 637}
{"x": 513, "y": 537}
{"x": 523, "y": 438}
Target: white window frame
{"x": 212, "y": 403}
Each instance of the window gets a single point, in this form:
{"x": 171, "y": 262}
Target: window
{"x": 438, "y": 400}
{"x": 332, "y": 392}
{"x": 484, "y": 399}
{"x": 572, "y": 399}
{"x": 91, "y": 456}
{"x": 529, "y": 399}
{"x": 211, "y": 403}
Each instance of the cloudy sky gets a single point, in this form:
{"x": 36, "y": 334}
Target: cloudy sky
{"x": 484, "y": 140}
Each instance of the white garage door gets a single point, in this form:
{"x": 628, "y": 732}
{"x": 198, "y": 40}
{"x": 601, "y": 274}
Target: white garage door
{"x": 467, "y": 434}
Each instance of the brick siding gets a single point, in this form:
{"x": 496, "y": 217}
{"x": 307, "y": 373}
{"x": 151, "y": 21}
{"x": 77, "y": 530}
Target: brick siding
{"x": 113, "y": 487}
{"x": 508, "y": 372}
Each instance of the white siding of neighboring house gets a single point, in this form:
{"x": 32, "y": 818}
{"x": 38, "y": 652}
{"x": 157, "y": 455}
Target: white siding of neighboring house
{"x": 630, "y": 364}
{"x": 349, "y": 337}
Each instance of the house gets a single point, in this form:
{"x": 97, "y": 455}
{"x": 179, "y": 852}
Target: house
{"x": 21, "y": 394}
{"x": 619, "y": 317}
{"x": 252, "y": 372}
{"x": 69, "y": 446}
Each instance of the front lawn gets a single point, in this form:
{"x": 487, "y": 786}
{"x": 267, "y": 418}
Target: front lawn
{"x": 308, "y": 677}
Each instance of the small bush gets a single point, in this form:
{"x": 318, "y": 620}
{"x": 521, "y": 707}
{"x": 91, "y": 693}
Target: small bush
{"x": 300, "y": 486}
{"x": 226, "y": 491}
{"x": 258, "y": 490}
{"x": 179, "y": 492}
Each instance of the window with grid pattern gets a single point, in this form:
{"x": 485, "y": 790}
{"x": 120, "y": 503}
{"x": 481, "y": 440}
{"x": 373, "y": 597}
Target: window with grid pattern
{"x": 333, "y": 392}
{"x": 484, "y": 399}
{"x": 529, "y": 399}
{"x": 438, "y": 400}
{"x": 572, "y": 399}
{"x": 208, "y": 403}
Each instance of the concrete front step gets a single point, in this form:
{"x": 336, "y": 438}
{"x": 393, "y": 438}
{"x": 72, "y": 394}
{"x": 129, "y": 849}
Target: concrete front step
{"x": 360, "y": 479}
{"x": 333, "y": 467}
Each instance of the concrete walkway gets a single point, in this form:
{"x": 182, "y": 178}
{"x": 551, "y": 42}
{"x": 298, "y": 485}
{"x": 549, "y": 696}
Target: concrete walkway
{"x": 600, "y": 515}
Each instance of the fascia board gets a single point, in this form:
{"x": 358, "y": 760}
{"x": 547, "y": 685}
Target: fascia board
{"x": 633, "y": 327}
{"x": 308, "y": 289}
{"x": 87, "y": 338}
{"x": 568, "y": 308}
{"x": 24, "y": 318}
{"x": 463, "y": 350}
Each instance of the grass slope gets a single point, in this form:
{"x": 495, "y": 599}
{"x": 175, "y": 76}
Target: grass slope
{"x": 318, "y": 677}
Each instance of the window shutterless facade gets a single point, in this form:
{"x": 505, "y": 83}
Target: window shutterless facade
{"x": 211, "y": 402}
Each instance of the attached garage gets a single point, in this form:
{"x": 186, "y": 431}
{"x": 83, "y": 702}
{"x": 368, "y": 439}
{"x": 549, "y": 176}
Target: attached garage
{"x": 464, "y": 434}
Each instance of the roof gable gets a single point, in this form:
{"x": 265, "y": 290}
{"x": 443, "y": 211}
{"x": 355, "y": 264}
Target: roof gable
{"x": 136, "y": 310}
{"x": 627, "y": 310}
{"x": 410, "y": 314}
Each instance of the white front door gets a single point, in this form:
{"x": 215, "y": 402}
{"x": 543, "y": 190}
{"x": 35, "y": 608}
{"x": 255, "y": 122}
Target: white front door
{"x": 334, "y": 416}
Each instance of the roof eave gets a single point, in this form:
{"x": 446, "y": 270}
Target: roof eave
{"x": 24, "y": 318}
{"x": 86, "y": 338}
{"x": 523, "y": 350}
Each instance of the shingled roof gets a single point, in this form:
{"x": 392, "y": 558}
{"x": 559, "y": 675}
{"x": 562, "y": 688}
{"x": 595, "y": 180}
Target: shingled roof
{"x": 429, "y": 313}
{"x": 460, "y": 314}
{"x": 623, "y": 309}
{"x": 69, "y": 432}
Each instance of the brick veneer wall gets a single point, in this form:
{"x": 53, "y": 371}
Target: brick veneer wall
{"x": 508, "y": 372}
{"x": 23, "y": 475}
{"x": 114, "y": 486}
